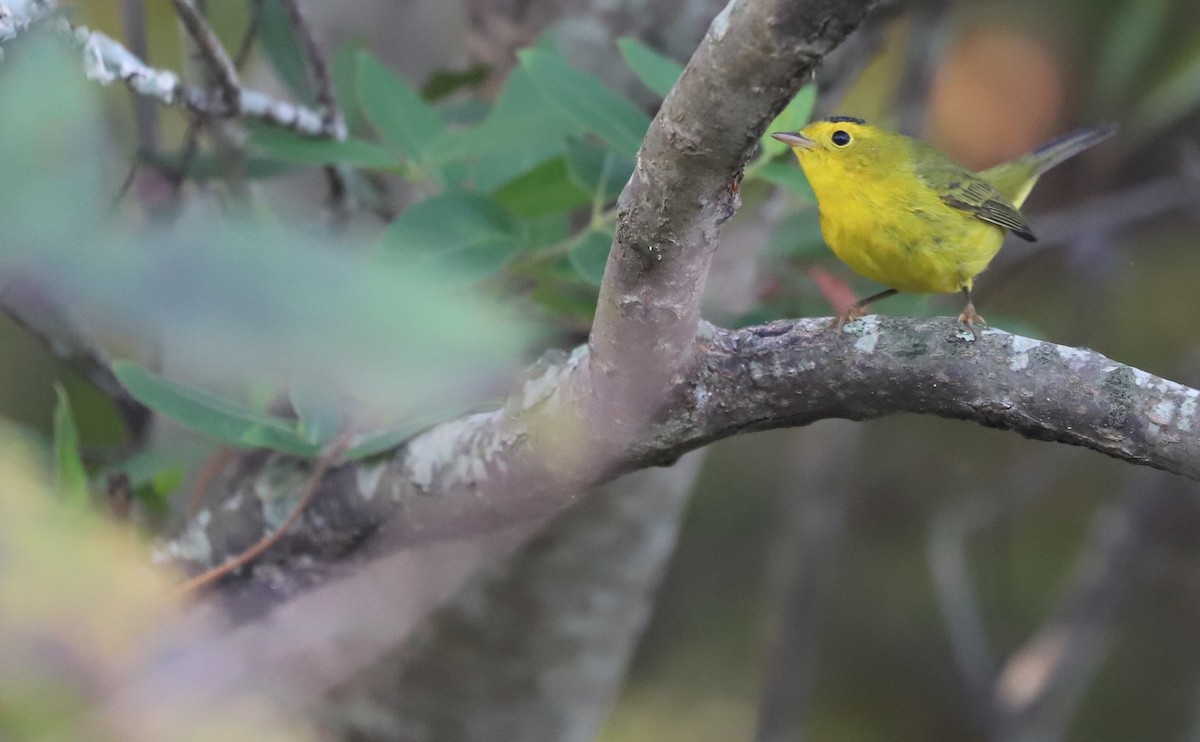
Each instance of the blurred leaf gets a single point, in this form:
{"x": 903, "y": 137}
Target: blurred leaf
{"x": 1133, "y": 35}
{"x": 590, "y": 254}
{"x": 593, "y": 107}
{"x": 1172, "y": 97}
{"x": 444, "y": 82}
{"x": 471, "y": 235}
{"x": 297, "y": 149}
{"x": 344, "y": 73}
{"x": 372, "y": 442}
{"x": 656, "y": 72}
{"x": 287, "y": 58}
{"x": 395, "y": 111}
{"x": 68, "y": 463}
{"x": 792, "y": 118}
{"x": 155, "y": 472}
{"x": 547, "y": 189}
{"x": 320, "y": 416}
{"x": 786, "y": 174}
{"x": 211, "y": 415}
{"x": 602, "y": 173}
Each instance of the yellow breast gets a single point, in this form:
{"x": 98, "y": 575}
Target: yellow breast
{"x": 901, "y": 234}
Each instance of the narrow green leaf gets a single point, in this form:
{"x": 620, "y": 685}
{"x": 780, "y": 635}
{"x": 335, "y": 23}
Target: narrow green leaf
{"x": 216, "y": 417}
{"x": 203, "y": 167}
{"x": 290, "y": 147}
{"x": 287, "y": 58}
{"x": 68, "y": 463}
{"x": 344, "y": 72}
{"x": 600, "y": 172}
{"x": 792, "y": 118}
{"x": 590, "y": 254}
{"x": 656, "y": 72}
{"x": 463, "y": 233}
{"x": 788, "y": 175}
{"x": 396, "y": 112}
{"x": 547, "y": 189}
{"x": 595, "y": 108}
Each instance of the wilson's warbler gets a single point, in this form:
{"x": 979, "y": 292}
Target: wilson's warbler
{"x": 903, "y": 214}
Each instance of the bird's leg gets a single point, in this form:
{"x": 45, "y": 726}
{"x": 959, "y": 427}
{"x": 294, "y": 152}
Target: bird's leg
{"x": 856, "y": 309}
{"x": 969, "y": 316}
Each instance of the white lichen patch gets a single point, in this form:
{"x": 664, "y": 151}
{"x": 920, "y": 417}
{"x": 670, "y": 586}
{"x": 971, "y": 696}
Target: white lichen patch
{"x": 278, "y": 488}
{"x": 367, "y": 478}
{"x": 862, "y": 326}
{"x": 1187, "y": 411}
{"x": 965, "y": 335}
{"x": 1163, "y": 412}
{"x": 106, "y": 61}
{"x": 191, "y": 546}
{"x": 866, "y": 343}
{"x": 1074, "y": 357}
{"x": 1020, "y": 348}
{"x": 459, "y": 450}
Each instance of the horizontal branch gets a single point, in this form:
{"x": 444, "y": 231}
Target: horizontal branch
{"x": 464, "y": 476}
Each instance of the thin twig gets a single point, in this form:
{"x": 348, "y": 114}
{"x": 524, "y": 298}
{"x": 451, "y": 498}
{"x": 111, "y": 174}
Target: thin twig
{"x": 217, "y": 59}
{"x": 145, "y": 113}
{"x": 328, "y": 458}
{"x": 326, "y": 100}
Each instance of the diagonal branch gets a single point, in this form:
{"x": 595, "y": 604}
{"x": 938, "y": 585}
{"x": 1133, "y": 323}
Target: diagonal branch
{"x": 220, "y": 65}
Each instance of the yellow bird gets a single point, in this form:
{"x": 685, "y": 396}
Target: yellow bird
{"x": 903, "y": 214}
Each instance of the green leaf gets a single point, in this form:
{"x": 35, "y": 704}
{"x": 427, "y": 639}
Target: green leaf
{"x": 792, "y": 118}
{"x": 404, "y": 121}
{"x": 593, "y": 107}
{"x": 788, "y": 175}
{"x": 372, "y": 442}
{"x": 600, "y": 172}
{"x": 203, "y": 167}
{"x": 344, "y": 72}
{"x": 68, "y": 463}
{"x": 545, "y": 190}
{"x": 298, "y": 149}
{"x": 465, "y": 233}
{"x": 656, "y": 72}
{"x": 590, "y": 254}
{"x": 216, "y": 417}
{"x": 287, "y": 58}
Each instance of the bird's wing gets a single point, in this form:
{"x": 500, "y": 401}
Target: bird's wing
{"x": 964, "y": 190}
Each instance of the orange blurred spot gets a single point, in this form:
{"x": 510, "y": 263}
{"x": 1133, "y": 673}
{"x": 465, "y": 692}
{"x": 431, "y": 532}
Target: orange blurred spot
{"x": 997, "y": 95}
{"x": 834, "y": 290}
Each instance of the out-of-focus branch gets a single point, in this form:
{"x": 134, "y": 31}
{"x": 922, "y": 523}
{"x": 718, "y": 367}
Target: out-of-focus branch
{"x": 801, "y": 570}
{"x": 534, "y": 648}
{"x": 1041, "y": 686}
{"x": 70, "y": 342}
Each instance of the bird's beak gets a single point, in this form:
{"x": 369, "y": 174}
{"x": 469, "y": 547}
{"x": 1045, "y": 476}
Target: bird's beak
{"x": 794, "y": 139}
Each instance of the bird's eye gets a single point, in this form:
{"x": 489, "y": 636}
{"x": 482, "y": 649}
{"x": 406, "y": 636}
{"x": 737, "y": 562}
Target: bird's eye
{"x": 840, "y": 138}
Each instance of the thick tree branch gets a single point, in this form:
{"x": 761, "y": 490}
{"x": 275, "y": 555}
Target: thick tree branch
{"x": 782, "y": 374}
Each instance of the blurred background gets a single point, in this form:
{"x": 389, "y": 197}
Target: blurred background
{"x": 904, "y": 579}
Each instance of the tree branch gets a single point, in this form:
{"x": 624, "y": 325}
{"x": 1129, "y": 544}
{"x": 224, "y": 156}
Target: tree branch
{"x": 463, "y": 476}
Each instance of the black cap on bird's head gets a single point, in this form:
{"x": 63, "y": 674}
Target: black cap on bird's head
{"x": 819, "y": 134}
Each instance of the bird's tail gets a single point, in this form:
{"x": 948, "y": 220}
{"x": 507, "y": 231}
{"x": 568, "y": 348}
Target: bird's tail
{"x": 1068, "y": 145}
{"x": 1015, "y": 179}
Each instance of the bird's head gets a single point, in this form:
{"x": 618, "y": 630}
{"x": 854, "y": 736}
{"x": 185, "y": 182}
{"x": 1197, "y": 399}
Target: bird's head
{"x": 842, "y": 144}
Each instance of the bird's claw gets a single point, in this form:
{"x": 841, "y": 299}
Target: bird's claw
{"x": 970, "y": 318}
{"x": 851, "y": 314}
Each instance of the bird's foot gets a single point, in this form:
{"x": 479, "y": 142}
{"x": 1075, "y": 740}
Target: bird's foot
{"x": 851, "y": 314}
{"x": 970, "y": 318}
